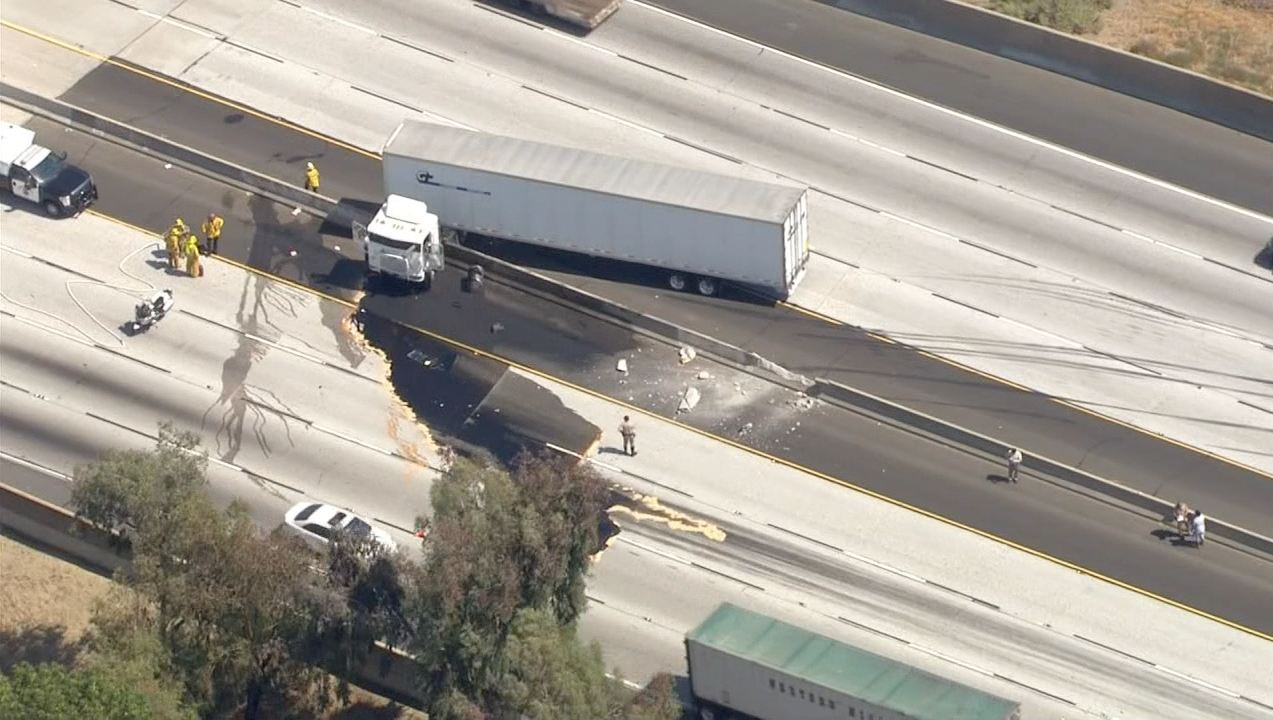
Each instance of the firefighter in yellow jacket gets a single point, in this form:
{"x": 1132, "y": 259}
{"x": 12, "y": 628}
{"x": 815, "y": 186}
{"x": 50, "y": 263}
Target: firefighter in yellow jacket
{"x": 174, "y": 239}
{"x": 212, "y": 231}
{"x": 311, "y": 177}
{"x": 194, "y": 265}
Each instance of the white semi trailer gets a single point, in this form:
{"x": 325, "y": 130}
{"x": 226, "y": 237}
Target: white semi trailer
{"x": 700, "y": 228}
{"x": 747, "y": 666}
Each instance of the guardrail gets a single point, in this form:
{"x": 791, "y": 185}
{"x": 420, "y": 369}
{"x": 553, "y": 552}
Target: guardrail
{"x": 1107, "y": 67}
{"x": 341, "y": 215}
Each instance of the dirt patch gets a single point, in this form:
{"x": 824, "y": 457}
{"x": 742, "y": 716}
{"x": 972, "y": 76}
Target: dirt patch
{"x": 1227, "y": 40}
{"x": 46, "y": 603}
{"x": 1230, "y": 40}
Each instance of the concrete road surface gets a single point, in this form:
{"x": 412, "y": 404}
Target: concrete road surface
{"x": 703, "y": 523}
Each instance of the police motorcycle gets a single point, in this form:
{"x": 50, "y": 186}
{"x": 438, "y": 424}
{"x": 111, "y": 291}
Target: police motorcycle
{"x": 150, "y": 311}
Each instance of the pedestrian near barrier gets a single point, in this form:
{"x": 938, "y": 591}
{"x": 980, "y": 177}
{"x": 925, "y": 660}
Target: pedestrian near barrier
{"x": 1014, "y": 463}
{"x": 194, "y": 265}
{"x": 212, "y": 231}
{"x": 311, "y": 177}
{"x": 628, "y": 431}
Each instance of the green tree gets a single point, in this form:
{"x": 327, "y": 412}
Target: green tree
{"x": 656, "y": 701}
{"x": 52, "y": 692}
{"x": 500, "y": 543}
{"x": 232, "y": 609}
{"x": 552, "y": 674}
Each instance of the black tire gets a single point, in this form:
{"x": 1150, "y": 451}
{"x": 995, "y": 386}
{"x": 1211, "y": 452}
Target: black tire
{"x": 52, "y": 208}
{"x": 678, "y": 281}
{"x": 707, "y": 286}
{"x": 428, "y": 280}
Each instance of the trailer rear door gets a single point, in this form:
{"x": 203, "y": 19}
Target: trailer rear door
{"x": 796, "y": 240}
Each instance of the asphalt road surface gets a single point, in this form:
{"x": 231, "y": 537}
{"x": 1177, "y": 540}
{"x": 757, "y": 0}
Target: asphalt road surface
{"x": 580, "y": 349}
{"x": 796, "y": 341}
{"x": 1135, "y": 134}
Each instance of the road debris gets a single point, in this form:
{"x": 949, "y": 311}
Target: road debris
{"x": 703, "y": 375}
{"x": 689, "y": 399}
{"x": 622, "y": 366}
{"x": 687, "y": 354}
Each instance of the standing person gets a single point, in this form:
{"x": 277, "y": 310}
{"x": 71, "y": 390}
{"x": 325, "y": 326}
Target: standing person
{"x": 174, "y": 240}
{"x": 194, "y": 265}
{"x": 311, "y": 177}
{"x": 1198, "y": 533}
{"x": 628, "y": 431}
{"x": 212, "y": 231}
{"x": 1014, "y": 463}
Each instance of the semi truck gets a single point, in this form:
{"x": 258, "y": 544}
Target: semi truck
{"x": 700, "y": 229}
{"x": 38, "y": 174}
{"x": 584, "y": 13}
{"x": 744, "y": 665}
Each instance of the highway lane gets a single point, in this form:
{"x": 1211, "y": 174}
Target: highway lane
{"x": 1148, "y": 347}
{"x": 798, "y": 342}
{"x": 1149, "y": 138}
{"x": 669, "y": 580}
{"x": 741, "y": 527}
{"x": 852, "y": 141}
{"x": 580, "y": 349}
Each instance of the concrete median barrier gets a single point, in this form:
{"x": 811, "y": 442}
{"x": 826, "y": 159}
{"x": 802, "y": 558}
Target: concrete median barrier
{"x": 341, "y": 213}
{"x": 1116, "y": 70}
{"x": 1043, "y": 466}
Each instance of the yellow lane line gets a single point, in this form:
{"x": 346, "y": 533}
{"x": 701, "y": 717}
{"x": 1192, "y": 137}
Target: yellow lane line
{"x": 184, "y": 88}
{"x": 478, "y": 352}
{"x": 796, "y": 308}
{"x": 595, "y": 394}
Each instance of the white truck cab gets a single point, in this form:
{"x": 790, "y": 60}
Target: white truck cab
{"x": 42, "y": 176}
{"x": 403, "y": 241}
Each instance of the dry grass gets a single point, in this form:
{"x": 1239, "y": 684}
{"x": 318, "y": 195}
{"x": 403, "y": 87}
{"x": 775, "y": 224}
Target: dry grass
{"x": 46, "y": 603}
{"x": 1230, "y": 40}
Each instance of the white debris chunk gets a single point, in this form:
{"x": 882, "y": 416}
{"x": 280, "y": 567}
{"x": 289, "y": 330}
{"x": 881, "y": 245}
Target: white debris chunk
{"x": 703, "y": 375}
{"x": 687, "y": 354}
{"x": 622, "y": 366}
{"x": 804, "y": 402}
{"x": 689, "y": 399}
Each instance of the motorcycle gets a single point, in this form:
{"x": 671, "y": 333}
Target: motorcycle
{"x": 149, "y": 312}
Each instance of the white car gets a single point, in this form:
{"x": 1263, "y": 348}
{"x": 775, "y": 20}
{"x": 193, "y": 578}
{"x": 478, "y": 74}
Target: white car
{"x": 318, "y": 523}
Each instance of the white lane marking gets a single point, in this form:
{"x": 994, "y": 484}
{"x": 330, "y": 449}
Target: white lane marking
{"x": 341, "y": 21}
{"x": 35, "y": 466}
{"x": 577, "y": 41}
{"x": 878, "y": 146}
{"x": 59, "y": 333}
{"x": 622, "y": 537}
{"x": 16, "y": 251}
{"x": 917, "y": 224}
{"x": 297, "y": 353}
{"x": 177, "y": 23}
{"x": 350, "y": 438}
{"x": 953, "y": 660}
{"x": 1196, "y": 681}
{"x": 972, "y": 119}
{"x": 629, "y": 123}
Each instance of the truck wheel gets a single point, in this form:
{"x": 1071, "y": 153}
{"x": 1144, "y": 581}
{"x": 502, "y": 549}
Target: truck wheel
{"x": 707, "y": 286}
{"x": 52, "y": 209}
{"x": 428, "y": 280}
{"x": 677, "y": 281}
